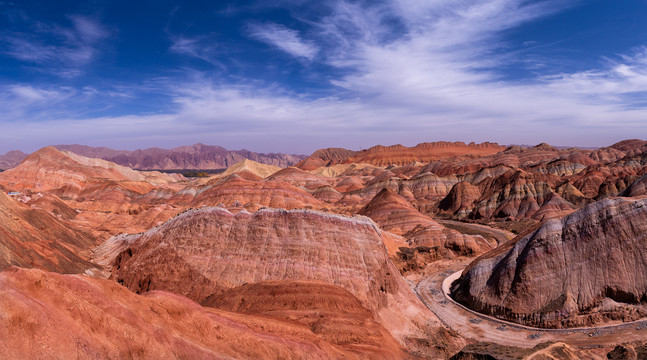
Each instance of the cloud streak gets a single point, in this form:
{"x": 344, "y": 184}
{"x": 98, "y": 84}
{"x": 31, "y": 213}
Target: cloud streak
{"x": 285, "y": 39}
{"x": 62, "y": 50}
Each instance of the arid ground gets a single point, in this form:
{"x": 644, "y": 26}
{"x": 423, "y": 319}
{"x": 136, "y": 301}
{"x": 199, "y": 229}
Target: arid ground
{"x": 441, "y": 250}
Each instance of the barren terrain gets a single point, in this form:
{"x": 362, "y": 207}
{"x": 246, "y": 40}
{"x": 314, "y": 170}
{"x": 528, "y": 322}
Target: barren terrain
{"x": 431, "y": 251}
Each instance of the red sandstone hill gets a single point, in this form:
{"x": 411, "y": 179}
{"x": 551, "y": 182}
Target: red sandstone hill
{"x": 583, "y": 269}
{"x": 48, "y": 315}
{"x": 49, "y": 169}
{"x": 35, "y": 238}
{"x": 196, "y": 157}
{"x": 235, "y": 191}
{"x": 325, "y": 157}
{"x": 206, "y": 253}
{"x": 395, "y": 214}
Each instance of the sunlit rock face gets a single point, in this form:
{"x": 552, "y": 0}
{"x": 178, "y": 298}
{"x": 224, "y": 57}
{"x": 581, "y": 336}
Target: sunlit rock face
{"x": 582, "y": 269}
{"x": 205, "y": 253}
{"x": 424, "y": 152}
{"x": 49, "y": 169}
{"x": 35, "y": 238}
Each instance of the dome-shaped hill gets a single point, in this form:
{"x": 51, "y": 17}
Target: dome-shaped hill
{"x": 583, "y": 269}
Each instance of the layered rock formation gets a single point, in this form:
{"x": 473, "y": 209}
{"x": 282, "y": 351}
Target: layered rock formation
{"x": 49, "y": 169}
{"x": 424, "y": 152}
{"x": 395, "y": 214}
{"x": 47, "y": 315}
{"x": 299, "y": 178}
{"x": 35, "y": 238}
{"x": 583, "y": 269}
{"x": 637, "y": 188}
{"x": 205, "y": 253}
{"x": 325, "y": 157}
{"x": 234, "y": 191}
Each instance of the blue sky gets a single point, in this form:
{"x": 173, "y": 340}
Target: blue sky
{"x": 294, "y": 76}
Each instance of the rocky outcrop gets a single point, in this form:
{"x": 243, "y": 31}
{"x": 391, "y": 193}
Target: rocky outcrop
{"x": 194, "y": 157}
{"x": 582, "y": 269}
{"x": 516, "y": 195}
{"x": 460, "y": 200}
{"x": 231, "y": 253}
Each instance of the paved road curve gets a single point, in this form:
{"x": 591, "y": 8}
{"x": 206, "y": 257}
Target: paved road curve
{"x": 434, "y": 292}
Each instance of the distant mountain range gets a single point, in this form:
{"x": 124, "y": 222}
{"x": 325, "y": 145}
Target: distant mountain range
{"x": 194, "y": 157}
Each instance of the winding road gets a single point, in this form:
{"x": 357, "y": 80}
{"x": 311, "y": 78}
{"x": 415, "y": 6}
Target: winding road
{"x": 434, "y": 292}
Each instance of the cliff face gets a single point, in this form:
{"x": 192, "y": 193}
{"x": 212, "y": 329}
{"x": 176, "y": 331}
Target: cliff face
{"x": 582, "y": 269}
{"x": 228, "y": 250}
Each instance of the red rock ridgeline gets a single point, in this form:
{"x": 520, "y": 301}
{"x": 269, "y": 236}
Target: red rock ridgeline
{"x": 583, "y": 269}
{"x": 48, "y": 315}
{"x": 35, "y": 238}
{"x": 397, "y": 154}
{"x": 203, "y": 253}
{"x": 107, "y": 195}
{"x": 425, "y": 152}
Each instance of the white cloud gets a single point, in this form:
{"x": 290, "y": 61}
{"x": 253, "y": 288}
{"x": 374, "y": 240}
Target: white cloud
{"x": 31, "y": 94}
{"x": 285, "y": 39}
{"x": 57, "y": 49}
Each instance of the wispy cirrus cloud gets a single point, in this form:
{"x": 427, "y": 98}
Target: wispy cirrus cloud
{"x": 285, "y": 39}
{"x": 62, "y": 50}
{"x": 203, "y": 48}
